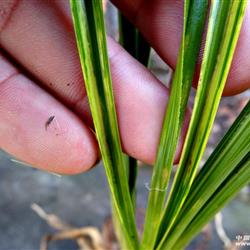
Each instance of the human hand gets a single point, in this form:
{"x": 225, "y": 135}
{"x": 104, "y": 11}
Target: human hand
{"x": 45, "y": 118}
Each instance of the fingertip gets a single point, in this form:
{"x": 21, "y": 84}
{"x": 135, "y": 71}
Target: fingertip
{"x": 80, "y": 157}
{"x": 39, "y": 130}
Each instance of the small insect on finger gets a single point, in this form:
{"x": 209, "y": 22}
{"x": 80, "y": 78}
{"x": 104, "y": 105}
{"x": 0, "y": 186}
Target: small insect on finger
{"x": 47, "y": 123}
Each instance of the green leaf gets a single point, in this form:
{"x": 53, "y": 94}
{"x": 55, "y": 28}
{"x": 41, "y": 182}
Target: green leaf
{"x": 227, "y": 156}
{"x": 224, "y": 193}
{"x": 91, "y": 41}
{"x": 194, "y": 19}
{"x": 139, "y": 48}
{"x": 223, "y": 30}
{"x": 132, "y": 40}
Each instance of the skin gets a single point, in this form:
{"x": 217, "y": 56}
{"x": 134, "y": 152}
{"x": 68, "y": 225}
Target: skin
{"x": 40, "y": 77}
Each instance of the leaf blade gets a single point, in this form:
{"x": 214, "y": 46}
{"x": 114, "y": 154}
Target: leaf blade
{"x": 173, "y": 118}
{"x": 91, "y": 41}
{"x": 223, "y": 31}
{"x": 225, "y": 193}
{"x": 230, "y": 152}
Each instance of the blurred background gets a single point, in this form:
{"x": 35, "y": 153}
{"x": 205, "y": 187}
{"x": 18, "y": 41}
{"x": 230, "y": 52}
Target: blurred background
{"x": 83, "y": 200}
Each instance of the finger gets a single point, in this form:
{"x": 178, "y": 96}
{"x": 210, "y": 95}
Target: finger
{"x": 140, "y": 98}
{"x": 141, "y": 103}
{"x": 39, "y": 36}
{"x": 160, "y": 21}
{"x": 39, "y": 130}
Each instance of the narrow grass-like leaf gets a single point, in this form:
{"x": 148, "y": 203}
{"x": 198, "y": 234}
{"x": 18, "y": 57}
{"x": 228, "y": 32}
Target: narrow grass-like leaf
{"x": 194, "y": 19}
{"x": 132, "y": 176}
{"x": 232, "y": 149}
{"x": 132, "y": 40}
{"x": 127, "y": 35}
{"x": 91, "y": 41}
{"x": 225, "y": 193}
{"x": 223, "y": 30}
{"x": 164, "y": 160}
